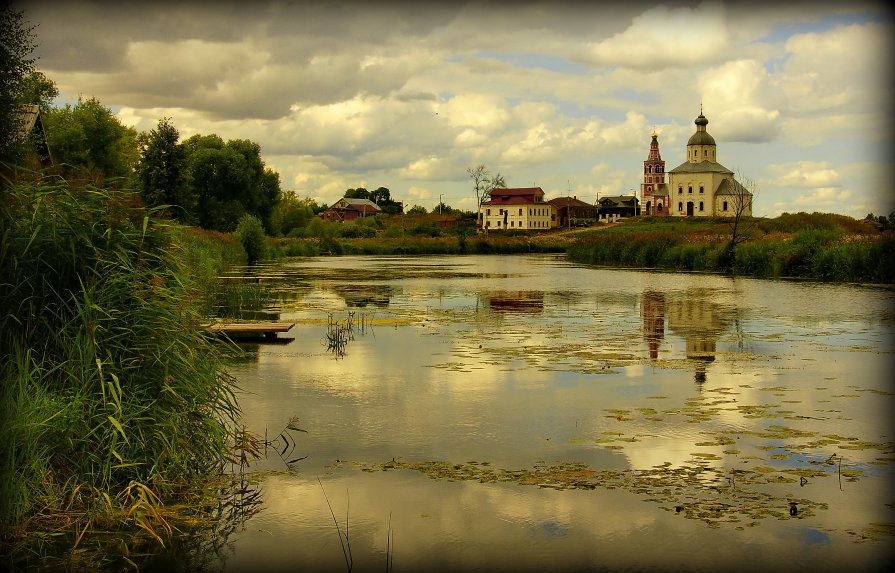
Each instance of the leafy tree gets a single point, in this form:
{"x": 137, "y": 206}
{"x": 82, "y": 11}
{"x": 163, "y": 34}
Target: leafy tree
{"x": 291, "y": 212}
{"x": 16, "y": 45}
{"x": 229, "y": 180}
{"x": 359, "y": 193}
{"x": 161, "y": 171}
{"x": 40, "y": 90}
{"x": 417, "y": 210}
{"x": 250, "y": 233}
{"x": 88, "y": 137}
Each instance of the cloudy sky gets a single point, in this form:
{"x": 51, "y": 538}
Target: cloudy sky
{"x": 560, "y": 95}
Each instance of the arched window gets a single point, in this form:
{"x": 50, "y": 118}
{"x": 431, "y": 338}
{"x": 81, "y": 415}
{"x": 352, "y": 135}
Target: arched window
{"x": 680, "y": 189}
{"x": 700, "y": 206}
{"x": 689, "y": 189}
{"x": 659, "y": 207}
{"x": 680, "y": 207}
{"x": 700, "y": 189}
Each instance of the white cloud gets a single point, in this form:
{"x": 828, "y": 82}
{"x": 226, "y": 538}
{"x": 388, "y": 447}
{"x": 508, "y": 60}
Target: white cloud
{"x": 665, "y": 37}
{"x": 805, "y": 174}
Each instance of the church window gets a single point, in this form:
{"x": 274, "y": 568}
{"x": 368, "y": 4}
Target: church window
{"x": 488, "y": 211}
{"x": 680, "y": 207}
{"x": 695, "y": 152}
{"x": 680, "y": 189}
{"x": 520, "y": 212}
{"x": 706, "y": 153}
{"x": 689, "y": 189}
{"x": 701, "y": 190}
{"x": 649, "y": 189}
{"x": 659, "y": 207}
{"x": 700, "y": 206}
{"x": 725, "y": 206}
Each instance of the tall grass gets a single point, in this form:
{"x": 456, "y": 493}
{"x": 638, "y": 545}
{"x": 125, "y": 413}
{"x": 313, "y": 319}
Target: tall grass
{"x": 114, "y": 401}
{"x": 820, "y": 247}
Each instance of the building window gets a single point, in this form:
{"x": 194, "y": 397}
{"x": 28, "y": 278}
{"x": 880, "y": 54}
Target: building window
{"x": 649, "y": 189}
{"x": 520, "y": 212}
{"x": 689, "y": 189}
{"x": 488, "y": 211}
{"x": 501, "y": 212}
{"x": 701, "y": 190}
{"x": 725, "y": 206}
{"x": 680, "y": 208}
{"x": 680, "y": 189}
{"x": 706, "y": 153}
{"x": 700, "y": 205}
{"x": 659, "y": 207}
{"x": 695, "y": 152}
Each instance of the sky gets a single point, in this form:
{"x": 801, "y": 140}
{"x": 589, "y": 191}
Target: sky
{"x": 560, "y": 95}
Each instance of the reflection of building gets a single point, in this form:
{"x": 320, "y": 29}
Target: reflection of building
{"x": 365, "y": 295}
{"x": 652, "y": 311}
{"x": 531, "y": 302}
{"x": 693, "y": 316}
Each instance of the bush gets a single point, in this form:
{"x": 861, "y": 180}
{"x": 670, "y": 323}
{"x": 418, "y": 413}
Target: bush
{"x": 250, "y": 233}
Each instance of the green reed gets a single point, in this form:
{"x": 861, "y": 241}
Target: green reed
{"x": 114, "y": 401}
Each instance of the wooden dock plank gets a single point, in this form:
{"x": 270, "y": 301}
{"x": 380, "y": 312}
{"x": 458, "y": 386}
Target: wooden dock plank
{"x": 250, "y": 327}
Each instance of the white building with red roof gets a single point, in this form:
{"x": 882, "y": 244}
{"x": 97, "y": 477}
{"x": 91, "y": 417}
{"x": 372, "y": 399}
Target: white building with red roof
{"x": 521, "y": 208}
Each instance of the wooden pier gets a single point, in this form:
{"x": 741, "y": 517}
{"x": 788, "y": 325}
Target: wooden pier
{"x": 254, "y": 330}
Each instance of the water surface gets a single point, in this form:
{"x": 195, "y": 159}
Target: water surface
{"x": 520, "y": 413}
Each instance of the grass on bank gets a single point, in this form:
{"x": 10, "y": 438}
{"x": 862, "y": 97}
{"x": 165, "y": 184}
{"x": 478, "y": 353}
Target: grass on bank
{"x": 817, "y": 246}
{"x": 114, "y": 402}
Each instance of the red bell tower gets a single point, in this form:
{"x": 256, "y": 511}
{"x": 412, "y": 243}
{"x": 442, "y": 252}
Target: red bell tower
{"x": 653, "y": 190}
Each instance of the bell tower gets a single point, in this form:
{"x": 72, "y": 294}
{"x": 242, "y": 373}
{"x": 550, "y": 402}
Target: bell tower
{"x": 653, "y": 189}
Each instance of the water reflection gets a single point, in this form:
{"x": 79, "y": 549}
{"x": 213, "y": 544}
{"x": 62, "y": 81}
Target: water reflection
{"x": 510, "y": 363}
{"x": 528, "y": 302}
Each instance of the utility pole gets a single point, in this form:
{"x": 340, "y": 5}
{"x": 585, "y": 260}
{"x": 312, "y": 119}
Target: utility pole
{"x": 439, "y": 203}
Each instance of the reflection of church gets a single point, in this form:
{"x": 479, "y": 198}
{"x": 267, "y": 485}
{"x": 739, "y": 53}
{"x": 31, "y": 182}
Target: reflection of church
{"x": 693, "y": 317}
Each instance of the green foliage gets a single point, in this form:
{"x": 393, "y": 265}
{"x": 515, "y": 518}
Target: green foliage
{"x": 87, "y": 138}
{"x": 417, "y": 210}
{"x": 16, "y": 46}
{"x": 161, "y": 172}
{"x": 250, "y": 233}
{"x": 823, "y": 247}
{"x": 40, "y": 90}
{"x": 291, "y": 213}
{"x": 229, "y": 180}
{"x": 111, "y": 394}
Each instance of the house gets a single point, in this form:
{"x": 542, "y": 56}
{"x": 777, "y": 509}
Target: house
{"x": 349, "y": 208}
{"x": 521, "y": 208}
{"x": 31, "y": 130}
{"x": 702, "y": 187}
{"x": 571, "y": 211}
{"x": 618, "y": 207}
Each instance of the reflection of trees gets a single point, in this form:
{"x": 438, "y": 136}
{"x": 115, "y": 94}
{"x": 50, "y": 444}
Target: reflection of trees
{"x": 202, "y": 544}
{"x": 529, "y": 302}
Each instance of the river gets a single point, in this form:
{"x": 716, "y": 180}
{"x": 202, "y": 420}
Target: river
{"x": 525, "y": 413}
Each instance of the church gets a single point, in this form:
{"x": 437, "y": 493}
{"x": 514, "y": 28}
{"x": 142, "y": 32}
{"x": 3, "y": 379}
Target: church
{"x": 698, "y": 187}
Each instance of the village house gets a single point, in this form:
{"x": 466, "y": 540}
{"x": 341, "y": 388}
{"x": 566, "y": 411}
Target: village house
{"x": 618, "y": 207}
{"x": 572, "y": 211}
{"x": 348, "y": 209}
{"x": 520, "y": 208}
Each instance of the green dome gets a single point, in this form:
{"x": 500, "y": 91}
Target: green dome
{"x": 701, "y": 138}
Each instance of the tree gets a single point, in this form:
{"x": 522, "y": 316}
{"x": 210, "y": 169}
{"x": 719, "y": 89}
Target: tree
{"x": 229, "y": 180}
{"x": 483, "y": 184}
{"x": 417, "y": 210}
{"x": 87, "y": 137}
{"x": 16, "y": 46}
{"x": 161, "y": 171}
{"x": 740, "y": 199}
{"x": 359, "y": 193}
{"x": 250, "y": 233}
{"x": 40, "y": 90}
{"x": 290, "y": 213}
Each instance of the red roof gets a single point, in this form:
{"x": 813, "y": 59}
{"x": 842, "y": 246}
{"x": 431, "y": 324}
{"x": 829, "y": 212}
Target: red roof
{"x": 515, "y": 196}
